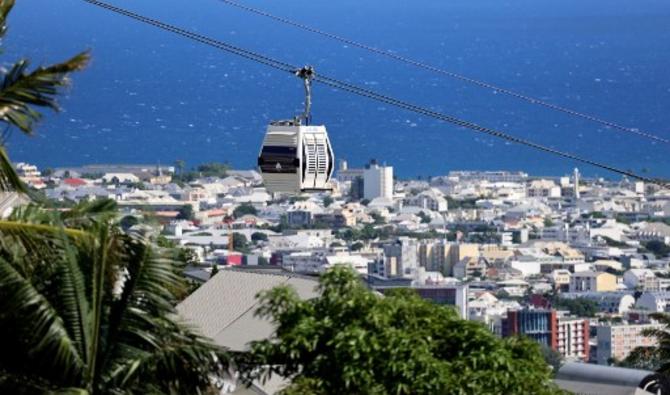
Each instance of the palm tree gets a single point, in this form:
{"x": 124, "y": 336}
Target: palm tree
{"x": 84, "y": 307}
{"x": 88, "y": 309}
{"x": 21, "y": 91}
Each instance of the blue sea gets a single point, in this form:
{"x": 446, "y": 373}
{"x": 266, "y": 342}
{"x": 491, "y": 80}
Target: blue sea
{"x": 152, "y": 97}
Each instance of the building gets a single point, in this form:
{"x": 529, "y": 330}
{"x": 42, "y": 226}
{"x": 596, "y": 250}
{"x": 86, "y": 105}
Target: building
{"x": 490, "y": 176}
{"x": 617, "y": 341}
{"x": 539, "y": 325}
{"x": 431, "y": 199}
{"x": 608, "y": 302}
{"x": 590, "y": 281}
{"x": 377, "y": 181}
{"x": 433, "y": 255}
{"x": 573, "y": 338}
{"x": 400, "y": 258}
{"x": 567, "y": 335}
{"x": 654, "y": 301}
{"x": 543, "y": 189}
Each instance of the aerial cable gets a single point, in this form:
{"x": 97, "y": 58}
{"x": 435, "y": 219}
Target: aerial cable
{"x": 483, "y": 84}
{"x": 336, "y": 84}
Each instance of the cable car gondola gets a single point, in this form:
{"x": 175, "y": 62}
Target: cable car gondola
{"x": 297, "y": 157}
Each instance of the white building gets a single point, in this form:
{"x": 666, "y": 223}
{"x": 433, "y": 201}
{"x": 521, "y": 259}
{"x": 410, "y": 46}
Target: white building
{"x": 654, "y": 301}
{"x": 431, "y": 199}
{"x": 377, "y": 181}
{"x": 638, "y": 277}
{"x": 543, "y": 189}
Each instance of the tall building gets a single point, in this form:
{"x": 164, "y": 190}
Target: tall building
{"x": 617, "y": 341}
{"x": 539, "y": 325}
{"x": 457, "y": 252}
{"x": 400, "y": 258}
{"x": 434, "y": 254}
{"x": 573, "y": 338}
{"x": 566, "y": 335}
{"x": 377, "y": 181}
{"x": 576, "y": 183}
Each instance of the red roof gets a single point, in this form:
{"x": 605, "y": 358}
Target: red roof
{"x": 74, "y": 182}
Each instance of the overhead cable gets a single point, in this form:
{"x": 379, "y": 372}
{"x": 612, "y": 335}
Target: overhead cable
{"x": 341, "y": 85}
{"x": 439, "y": 70}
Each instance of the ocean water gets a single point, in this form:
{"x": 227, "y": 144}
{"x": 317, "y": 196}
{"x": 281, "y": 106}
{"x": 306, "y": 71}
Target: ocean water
{"x": 152, "y": 97}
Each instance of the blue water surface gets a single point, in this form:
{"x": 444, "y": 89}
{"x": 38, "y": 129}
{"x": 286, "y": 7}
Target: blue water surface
{"x": 151, "y": 97}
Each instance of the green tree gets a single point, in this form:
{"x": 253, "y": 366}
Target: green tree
{"x": 240, "y": 242}
{"x": 659, "y": 248}
{"x": 327, "y": 201}
{"x": 259, "y": 236}
{"x": 215, "y": 270}
{"x": 348, "y": 340}
{"x": 425, "y": 218}
{"x": 244, "y": 209}
{"x": 213, "y": 169}
{"x": 21, "y": 90}
{"x": 581, "y": 307}
{"x": 656, "y": 357}
{"x": 86, "y": 308}
{"x": 180, "y": 165}
{"x": 357, "y": 246}
{"x": 186, "y": 212}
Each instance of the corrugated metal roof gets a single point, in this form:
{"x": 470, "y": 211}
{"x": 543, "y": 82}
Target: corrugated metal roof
{"x": 223, "y": 308}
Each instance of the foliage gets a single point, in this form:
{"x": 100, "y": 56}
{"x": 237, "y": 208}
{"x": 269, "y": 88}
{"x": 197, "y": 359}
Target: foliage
{"x": 259, "y": 236}
{"x": 461, "y": 203}
{"x": 186, "y": 212}
{"x": 552, "y": 358}
{"x": 357, "y": 246}
{"x": 548, "y": 223}
{"x": 368, "y": 232}
{"x": 240, "y": 242}
{"x": 21, "y": 90}
{"x": 244, "y": 209}
{"x": 658, "y": 357}
{"x": 349, "y": 340}
{"x": 659, "y": 248}
{"x": 213, "y": 169}
{"x": 327, "y": 201}
{"x": 86, "y": 308}
{"x": 378, "y": 218}
{"x": 215, "y": 270}
{"x": 425, "y": 218}
{"x": 581, "y": 307}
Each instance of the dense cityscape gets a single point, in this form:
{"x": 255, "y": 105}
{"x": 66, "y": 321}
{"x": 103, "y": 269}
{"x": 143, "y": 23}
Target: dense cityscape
{"x": 578, "y": 265}
{"x": 309, "y": 274}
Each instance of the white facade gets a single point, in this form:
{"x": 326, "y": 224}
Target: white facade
{"x": 378, "y": 182}
{"x": 654, "y": 301}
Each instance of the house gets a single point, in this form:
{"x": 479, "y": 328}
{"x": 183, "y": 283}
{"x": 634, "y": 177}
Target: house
{"x": 120, "y": 178}
{"x": 634, "y": 278}
{"x": 431, "y": 199}
{"x": 224, "y": 307}
{"x": 590, "y": 281}
{"x": 654, "y": 301}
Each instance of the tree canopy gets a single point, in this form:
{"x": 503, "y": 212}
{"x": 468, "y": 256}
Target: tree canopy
{"x": 350, "y": 340}
{"x": 87, "y": 308}
{"x": 244, "y": 209}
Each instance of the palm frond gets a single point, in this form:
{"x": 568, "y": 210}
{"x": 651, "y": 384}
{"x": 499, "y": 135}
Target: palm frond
{"x": 9, "y": 180}
{"x": 21, "y": 90}
{"x": 31, "y": 331}
{"x": 5, "y": 7}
